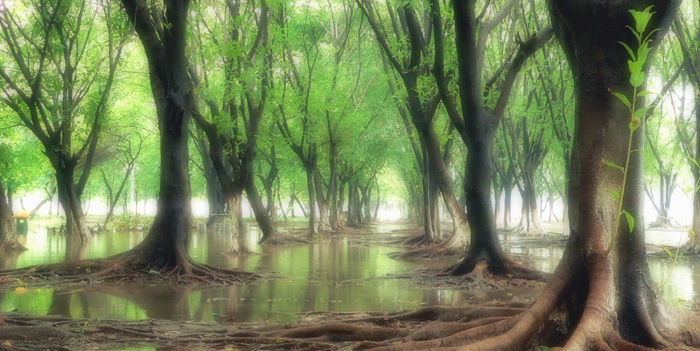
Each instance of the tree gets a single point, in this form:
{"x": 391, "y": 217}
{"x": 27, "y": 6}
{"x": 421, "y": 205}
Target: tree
{"x": 601, "y": 296}
{"x": 233, "y": 131}
{"x": 57, "y": 67}
{"x": 477, "y": 129}
{"x": 164, "y": 254}
{"x": 407, "y": 60}
{"x": 605, "y": 288}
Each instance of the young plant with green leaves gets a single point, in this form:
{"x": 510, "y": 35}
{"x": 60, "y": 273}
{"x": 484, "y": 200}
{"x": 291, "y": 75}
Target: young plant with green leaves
{"x": 638, "y": 59}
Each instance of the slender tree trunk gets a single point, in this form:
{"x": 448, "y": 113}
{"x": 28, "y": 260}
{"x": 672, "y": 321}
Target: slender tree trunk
{"x": 75, "y": 219}
{"x": 508, "y": 191}
{"x": 376, "y": 206}
{"x": 535, "y": 225}
{"x": 261, "y": 214}
{"x": 324, "y": 224}
{"x": 496, "y": 198}
{"x": 366, "y": 199}
{"x": 270, "y": 198}
{"x": 215, "y": 197}
{"x": 312, "y": 201}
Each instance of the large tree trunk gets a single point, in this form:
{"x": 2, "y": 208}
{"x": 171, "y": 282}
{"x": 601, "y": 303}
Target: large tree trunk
{"x": 606, "y": 292}
{"x": 70, "y": 201}
{"x": 238, "y": 232}
{"x": 75, "y": 219}
{"x": 167, "y": 243}
{"x": 166, "y": 247}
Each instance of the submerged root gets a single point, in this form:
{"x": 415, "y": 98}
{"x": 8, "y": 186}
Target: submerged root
{"x": 126, "y": 267}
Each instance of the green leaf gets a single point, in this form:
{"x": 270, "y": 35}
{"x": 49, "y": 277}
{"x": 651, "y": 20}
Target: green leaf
{"x": 613, "y": 165}
{"x": 637, "y": 79}
{"x": 629, "y": 50}
{"x": 638, "y": 35}
{"x": 643, "y": 53}
{"x": 642, "y": 18}
{"x": 644, "y": 93}
{"x": 615, "y": 193}
{"x": 622, "y": 98}
{"x": 634, "y": 66}
{"x": 634, "y": 124}
{"x": 641, "y": 112}
{"x": 630, "y": 220}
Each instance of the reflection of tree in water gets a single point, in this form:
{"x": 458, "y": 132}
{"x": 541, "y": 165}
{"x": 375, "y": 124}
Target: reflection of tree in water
{"x": 165, "y": 302}
{"x": 76, "y": 249}
{"x": 8, "y": 259}
{"x": 312, "y": 283}
{"x": 226, "y": 303}
{"x": 61, "y": 302}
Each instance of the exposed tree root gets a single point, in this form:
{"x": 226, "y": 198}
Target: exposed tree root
{"x": 280, "y": 239}
{"x": 547, "y": 322}
{"x": 242, "y": 250}
{"x": 12, "y": 246}
{"x": 503, "y": 266}
{"x": 449, "y": 247}
{"x": 418, "y": 240}
{"x": 343, "y": 230}
{"x": 127, "y": 266}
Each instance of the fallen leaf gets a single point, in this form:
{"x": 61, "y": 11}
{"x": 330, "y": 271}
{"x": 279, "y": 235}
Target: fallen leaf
{"x": 20, "y": 290}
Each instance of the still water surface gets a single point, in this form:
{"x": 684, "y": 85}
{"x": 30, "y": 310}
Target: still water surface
{"x": 331, "y": 275}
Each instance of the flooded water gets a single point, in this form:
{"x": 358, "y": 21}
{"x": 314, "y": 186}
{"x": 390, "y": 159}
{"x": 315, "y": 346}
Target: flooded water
{"x": 332, "y": 275}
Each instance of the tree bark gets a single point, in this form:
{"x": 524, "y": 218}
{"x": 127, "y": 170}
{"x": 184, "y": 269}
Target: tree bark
{"x": 8, "y": 235}
{"x": 261, "y": 214}
{"x": 238, "y": 232}
{"x": 312, "y": 202}
{"x": 508, "y": 191}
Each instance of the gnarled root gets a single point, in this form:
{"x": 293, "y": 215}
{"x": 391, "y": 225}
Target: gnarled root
{"x": 448, "y": 247}
{"x": 241, "y": 250}
{"x": 128, "y": 266}
{"x": 280, "y": 239}
{"x": 418, "y": 240}
{"x": 502, "y": 266}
